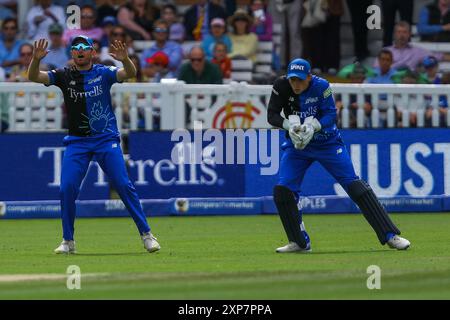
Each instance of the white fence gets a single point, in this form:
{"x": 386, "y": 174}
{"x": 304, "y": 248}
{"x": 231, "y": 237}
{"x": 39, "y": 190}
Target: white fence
{"x": 34, "y": 107}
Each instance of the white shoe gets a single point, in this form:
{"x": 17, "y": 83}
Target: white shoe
{"x": 293, "y": 247}
{"x": 150, "y": 242}
{"x": 66, "y": 247}
{"x": 399, "y": 243}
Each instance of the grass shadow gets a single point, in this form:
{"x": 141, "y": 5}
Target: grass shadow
{"x": 352, "y": 251}
{"x": 110, "y": 254}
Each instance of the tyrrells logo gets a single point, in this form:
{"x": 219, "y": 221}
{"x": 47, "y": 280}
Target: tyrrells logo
{"x": 74, "y": 94}
{"x": 310, "y": 111}
{"x": 297, "y": 67}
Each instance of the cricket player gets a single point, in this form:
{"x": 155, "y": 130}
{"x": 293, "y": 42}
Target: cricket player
{"x": 93, "y": 132}
{"x": 310, "y": 123}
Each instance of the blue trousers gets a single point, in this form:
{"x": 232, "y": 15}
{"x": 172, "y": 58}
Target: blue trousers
{"x": 108, "y": 154}
{"x": 332, "y": 155}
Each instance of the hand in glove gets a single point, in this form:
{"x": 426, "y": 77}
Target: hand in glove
{"x": 310, "y": 126}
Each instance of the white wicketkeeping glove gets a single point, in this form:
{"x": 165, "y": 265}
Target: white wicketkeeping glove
{"x": 293, "y": 125}
{"x": 310, "y": 126}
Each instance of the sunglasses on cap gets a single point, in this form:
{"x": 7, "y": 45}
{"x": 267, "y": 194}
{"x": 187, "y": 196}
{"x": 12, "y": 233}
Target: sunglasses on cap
{"x": 81, "y": 47}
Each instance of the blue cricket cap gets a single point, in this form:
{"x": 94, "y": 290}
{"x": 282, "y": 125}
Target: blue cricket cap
{"x": 84, "y": 39}
{"x": 429, "y": 62}
{"x": 109, "y": 20}
{"x": 299, "y": 68}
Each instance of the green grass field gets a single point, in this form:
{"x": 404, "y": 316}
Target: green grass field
{"x": 226, "y": 258}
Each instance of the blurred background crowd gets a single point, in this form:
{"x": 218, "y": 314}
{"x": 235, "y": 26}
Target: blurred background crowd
{"x": 217, "y": 41}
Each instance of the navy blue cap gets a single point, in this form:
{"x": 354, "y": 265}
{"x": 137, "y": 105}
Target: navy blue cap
{"x": 429, "y": 62}
{"x": 85, "y": 39}
{"x": 109, "y": 20}
{"x": 299, "y": 68}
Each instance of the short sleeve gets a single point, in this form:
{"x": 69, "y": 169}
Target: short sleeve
{"x": 327, "y": 106}
{"x": 56, "y": 77}
{"x": 110, "y": 74}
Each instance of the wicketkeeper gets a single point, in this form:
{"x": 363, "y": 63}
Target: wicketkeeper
{"x": 312, "y": 135}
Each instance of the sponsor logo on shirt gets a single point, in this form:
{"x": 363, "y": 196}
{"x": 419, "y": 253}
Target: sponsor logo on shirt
{"x": 327, "y": 93}
{"x": 97, "y": 79}
{"x": 310, "y": 111}
{"x": 75, "y": 95}
{"x": 311, "y": 100}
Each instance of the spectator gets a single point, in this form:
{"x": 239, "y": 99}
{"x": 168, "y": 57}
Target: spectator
{"x": 137, "y": 17}
{"x": 383, "y": 73}
{"x": 41, "y": 16}
{"x": 170, "y": 14}
{"x": 171, "y": 48}
{"x": 108, "y": 23}
{"x": 230, "y": 7}
{"x": 321, "y": 37}
{"x": 198, "y": 17}
{"x": 199, "y": 70}
{"x": 244, "y": 43}
{"x": 19, "y": 71}
{"x": 288, "y": 14}
{"x": 221, "y": 59}
{"x": 218, "y": 34}
{"x": 105, "y": 10}
{"x": 117, "y": 33}
{"x": 57, "y": 56}
{"x": 8, "y": 9}
{"x": 357, "y": 73}
{"x": 87, "y": 25}
{"x": 359, "y": 17}
{"x": 434, "y": 22}
{"x": 262, "y": 23}
{"x": 66, "y": 3}
{"x": 389, "y": 10}
{"x": 431, "y": 74}
{"x": 9, "y": 45}
{"x": 408, "y": 76}
{"x": 431, "y": 66}
{"x": 158, "y": 68}
{"x": 405, "y": 54}
{"x": 443, "y": 106}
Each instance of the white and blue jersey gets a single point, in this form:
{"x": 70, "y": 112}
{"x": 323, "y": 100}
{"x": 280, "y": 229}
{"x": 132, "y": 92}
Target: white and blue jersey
{"x": 317, "y": 101}
{"x": 87, "y": 100}
{"x": 326, "y": 147}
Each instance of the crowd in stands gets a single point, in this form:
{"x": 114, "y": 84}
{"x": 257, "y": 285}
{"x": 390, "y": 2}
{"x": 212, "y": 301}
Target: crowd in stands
{"x": 211, "y": 25}
{"x": 225, "y": 31}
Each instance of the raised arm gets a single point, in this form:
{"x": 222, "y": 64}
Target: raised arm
{"x": 39, "y": 52}
{"x": 120, "y": 53}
